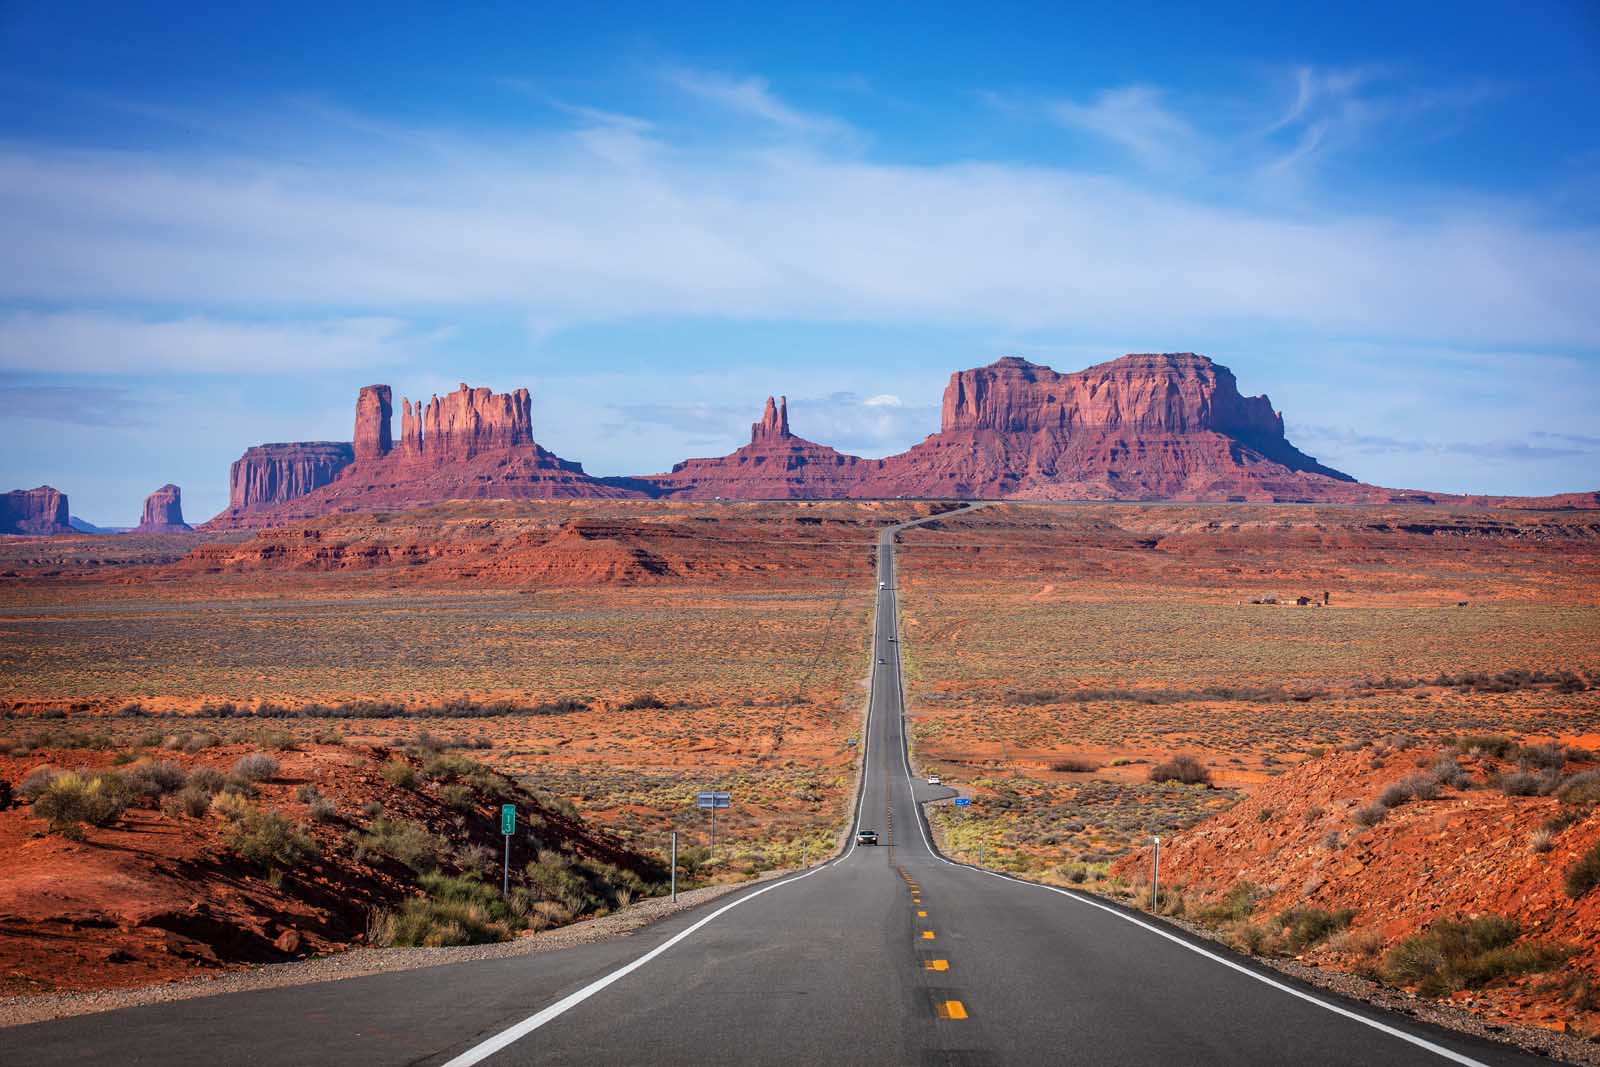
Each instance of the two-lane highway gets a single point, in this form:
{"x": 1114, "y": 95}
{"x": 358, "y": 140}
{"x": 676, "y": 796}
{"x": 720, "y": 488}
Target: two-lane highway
{"x": 888, "y": 954}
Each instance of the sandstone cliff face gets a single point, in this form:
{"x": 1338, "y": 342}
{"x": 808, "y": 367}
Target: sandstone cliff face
{"x": 34, "y": 511}
{"x": 1142, "y": 427}
{"x": 1170, "y": 393}
{"x": 468, "y": 444}
{"x": 271, "y": 474}
{"x": 163, "y": 511}
{"x": 469, "y": 422}
{"x": 775, "y": 465}
{"x": 374, "y": 410}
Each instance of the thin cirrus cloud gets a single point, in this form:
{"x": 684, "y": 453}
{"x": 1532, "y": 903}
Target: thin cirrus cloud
{"x": 95, "y": 343}
{"x": 1136, "y": 118}
{"x": 753, "y": 98}
{"x": 555, "y": 231}
{"x": 1539, "y": 445}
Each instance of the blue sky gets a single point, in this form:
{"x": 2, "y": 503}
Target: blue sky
{"x": 219, "y": 223}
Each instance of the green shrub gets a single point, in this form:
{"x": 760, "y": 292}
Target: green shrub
{"x": 1371, "y": 815}
{"x": 1584, "y": 873}
{"x": 187, "y": 801}
{"x": 1185, "y": 769}
{"x": 407, "y": 842}
{"x": 399, "y": 773}
{"x": 1487, "y": 744}
{"x": 256, "y": 767}
{"x": 208, "y": 779}
{"x": 552, "y": 877}
{"x": 458, "y": 798}
{"x": 459, "y": 910}
{"x": 1452, "y": 955}
{"x": 1581, "y": 790}
{"x": 71, "y": 800}
{"x": 448, "y": 768}
{"x": 1307, "y": 925}
{"x": 269, "y": 840}
{"x": 36, "y": 782}
{"x": 153, "y": 779}
{"x": 1237, "y": 904}
{"x": 230, "y": 805}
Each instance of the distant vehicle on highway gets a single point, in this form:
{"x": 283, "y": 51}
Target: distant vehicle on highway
{"x": 867, "y": 837}
{"x": 882, "y": 660}
{"x": 934, "y": 779}
{"x": 883, "y": 585}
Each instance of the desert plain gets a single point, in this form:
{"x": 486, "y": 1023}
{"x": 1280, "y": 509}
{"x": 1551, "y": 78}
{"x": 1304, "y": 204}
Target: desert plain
{"x": 1349, "y": 724}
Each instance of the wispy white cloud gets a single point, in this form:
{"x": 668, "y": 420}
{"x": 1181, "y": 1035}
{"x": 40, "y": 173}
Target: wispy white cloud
{"x": 89, "y": 342}
{"x": 1137, "y": 118}
{"x": 752, "y": 97}
{"x": 1339, "y": 109}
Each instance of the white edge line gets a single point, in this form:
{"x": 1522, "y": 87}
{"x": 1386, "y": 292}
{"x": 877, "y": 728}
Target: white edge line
{"x": 482, "y": 1051}
{"x": 1420, "y": 1042}
{"x": 509, "y": 1036}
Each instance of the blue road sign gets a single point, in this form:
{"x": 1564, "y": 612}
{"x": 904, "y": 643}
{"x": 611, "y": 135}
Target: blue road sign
{"x": 710, "y": 800}
{"x": 963, "y": 802}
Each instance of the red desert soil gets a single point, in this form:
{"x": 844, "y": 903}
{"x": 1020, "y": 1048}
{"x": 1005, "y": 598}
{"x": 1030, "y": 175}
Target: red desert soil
{"x": 159, "y": 896}
{"x": 1470, "y": 852}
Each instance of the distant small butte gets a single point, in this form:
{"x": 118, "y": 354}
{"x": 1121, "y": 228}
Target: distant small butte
{"x": 1145, "y": 427}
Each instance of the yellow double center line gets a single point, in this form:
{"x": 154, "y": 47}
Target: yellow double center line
{"x": 943, "y": 1008}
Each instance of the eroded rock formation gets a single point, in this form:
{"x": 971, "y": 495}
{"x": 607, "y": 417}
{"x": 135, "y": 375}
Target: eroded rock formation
{"x": 271, "y": 474}
{"x": 163, "y": 511}
{"x": 775, "y": 465}
{"x": 467, "y": 444}
{"x": 34, "y": 511}
{"x": 1142, "y": 427}
{"x": 373, "y": 413}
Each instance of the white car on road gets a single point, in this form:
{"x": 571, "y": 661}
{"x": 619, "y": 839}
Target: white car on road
{"x": 934, "y": 779}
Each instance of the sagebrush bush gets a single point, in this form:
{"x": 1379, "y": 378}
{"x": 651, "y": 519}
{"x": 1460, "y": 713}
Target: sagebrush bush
{"x": 1581, "y": 790}
{"x": 1184, "y": 769}
{"x": 229, "y": 805}
{"x": 1308, "y": 925}
{"x": 1583, "y": 874}
{"x": 460, "y": 910}
{"x": 269, "y": 840}
{"x": 1074, "y": 764}
{"x": 187, "y": 801}
{"x": 153, "y": 779}
{"x": 72, "y": 800}
{"x": 256, "y": 767}
{"x": 208, "y": 779}
{"x": 36, "y": 782}
{"x": 1235, "y": 905}
{"x": 1371, "y": 815}
{"x": 1486, "y": 744}
{"x": 407, "y": 842}
{"x": 1453, "y": 955}
{"x": 399, "y": 773}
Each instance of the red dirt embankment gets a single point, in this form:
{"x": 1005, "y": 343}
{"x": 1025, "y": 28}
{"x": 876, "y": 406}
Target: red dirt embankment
{"x": 157, "y": 896}
{"x": 1472, "y": 851}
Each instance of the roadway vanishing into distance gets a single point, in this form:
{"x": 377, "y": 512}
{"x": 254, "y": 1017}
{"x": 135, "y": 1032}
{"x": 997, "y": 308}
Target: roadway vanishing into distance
{"x": 883, "y": 955}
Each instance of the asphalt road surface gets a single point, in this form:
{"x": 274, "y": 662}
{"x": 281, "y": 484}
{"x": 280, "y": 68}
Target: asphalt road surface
{"x": 885, "y": 955}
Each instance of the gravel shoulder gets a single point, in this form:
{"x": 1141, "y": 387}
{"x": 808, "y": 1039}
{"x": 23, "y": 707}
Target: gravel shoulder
{"x": 358, "y": 962}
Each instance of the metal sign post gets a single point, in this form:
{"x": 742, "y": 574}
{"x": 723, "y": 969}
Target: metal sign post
{"x": 674, "y": 866}
{"x": 1155, "y": 878}
{"x": 508, "y": 826}
{"x": 711, "y": 800}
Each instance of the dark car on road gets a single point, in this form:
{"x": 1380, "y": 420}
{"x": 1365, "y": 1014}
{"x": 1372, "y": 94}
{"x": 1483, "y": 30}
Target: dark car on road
{"x": 866, "y": 837}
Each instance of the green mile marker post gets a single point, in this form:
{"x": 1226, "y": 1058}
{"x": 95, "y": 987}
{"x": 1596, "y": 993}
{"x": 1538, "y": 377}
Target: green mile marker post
{"x": 508, "y": 826}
